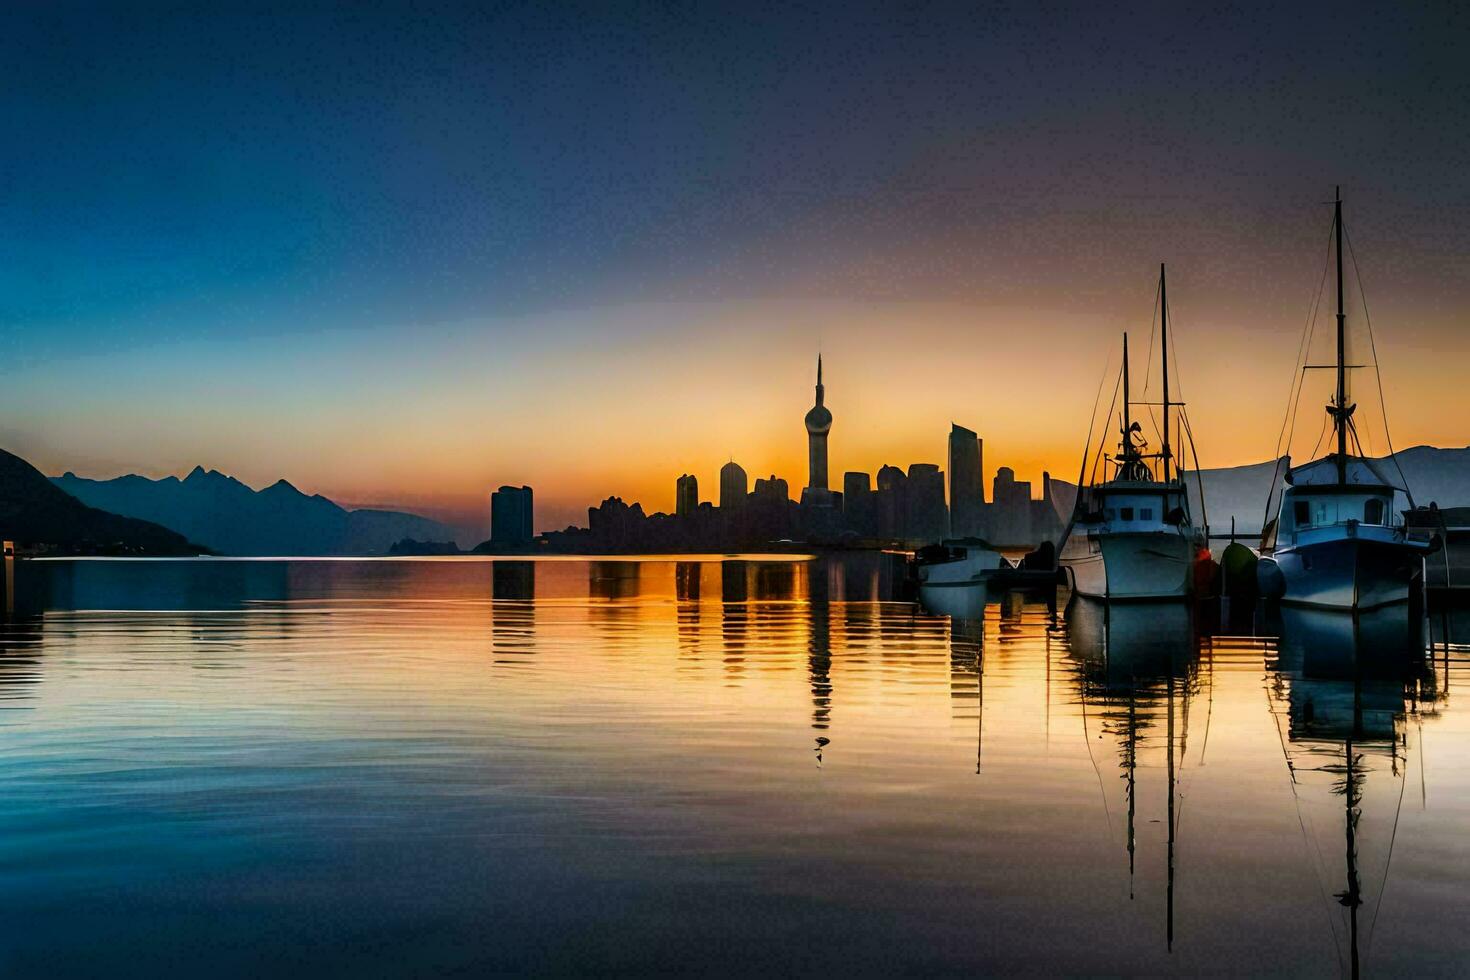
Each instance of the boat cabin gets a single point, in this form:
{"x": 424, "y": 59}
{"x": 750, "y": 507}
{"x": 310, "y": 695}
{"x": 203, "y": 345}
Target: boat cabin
{"x": 1312, "y": 507}
{"x": 1137, "y": 506}
{"x": 1315, "y": 499}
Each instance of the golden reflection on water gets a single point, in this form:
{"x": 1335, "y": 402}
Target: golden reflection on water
{"x": 1115, "y": 790}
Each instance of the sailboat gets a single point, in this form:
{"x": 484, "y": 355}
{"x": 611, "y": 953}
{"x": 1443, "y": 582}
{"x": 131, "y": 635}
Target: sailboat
{"x": 1335, "y": 543}
{"x": 1131, "y": 536}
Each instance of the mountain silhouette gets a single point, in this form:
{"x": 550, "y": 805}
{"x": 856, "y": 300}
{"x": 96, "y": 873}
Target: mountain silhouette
{"x": 228, "y": 516}
{"x": 34, "y": 513}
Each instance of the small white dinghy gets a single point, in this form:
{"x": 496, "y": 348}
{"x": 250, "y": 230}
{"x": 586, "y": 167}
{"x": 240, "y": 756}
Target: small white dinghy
{"x": 958, "y": 562}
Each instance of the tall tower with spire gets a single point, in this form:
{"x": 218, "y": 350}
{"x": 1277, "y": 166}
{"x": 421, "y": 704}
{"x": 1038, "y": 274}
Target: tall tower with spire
{"x": 818, "y": 424}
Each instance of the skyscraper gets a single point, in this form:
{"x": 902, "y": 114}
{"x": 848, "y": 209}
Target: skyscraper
{"x": 926, "y": 519}
{"x": 733, "y": 486}
{"x": 966, "y": 486}
{"x": 1010, "y": 516}
{"x": 892, "y": 502}
{"x": 818, "y": 424}
{"x": 511, "y": 516}
{"x": 859, "y": 504}
{"x": 772, "y": 489}
{"x": 686, "y": 496}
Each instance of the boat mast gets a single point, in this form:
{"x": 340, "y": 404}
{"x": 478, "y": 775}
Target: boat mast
{"x": 1127, "y": 414}
{"x": 1340, "y": 416}
{"x": 1164, "y": 337}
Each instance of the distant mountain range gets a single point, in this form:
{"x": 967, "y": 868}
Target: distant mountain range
{"x": 223, "y": 514}
{"x": 35, "y": 514}
{"x": 1439, "y": 475}
{"x": 220, "y": 513}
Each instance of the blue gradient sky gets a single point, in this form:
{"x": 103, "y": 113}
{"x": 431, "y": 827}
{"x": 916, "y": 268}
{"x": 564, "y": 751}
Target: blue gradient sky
{"x": 404, "y": 254}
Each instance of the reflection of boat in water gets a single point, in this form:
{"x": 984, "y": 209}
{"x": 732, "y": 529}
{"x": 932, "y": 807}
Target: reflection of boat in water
{"x": 1335, "y": 543}
{"x": 1138, "y": 663}
{"x": 1122, "y": 642}
{"x": 958, "y": 602}
{"x": 1131, "y": 534}
{"x": 1341, "y": 684}
{"x": 1325, "y": 643}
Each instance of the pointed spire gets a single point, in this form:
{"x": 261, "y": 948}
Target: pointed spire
{"x": 819, "y": 369}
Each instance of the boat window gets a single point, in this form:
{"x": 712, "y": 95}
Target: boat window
{"x": 1320, "y": 516}
{"x": 1127, "y": 513}
{"x": 1301, "y": 513}
{"x": 1146, "y": 514}
{"x": 1373, "y": 512}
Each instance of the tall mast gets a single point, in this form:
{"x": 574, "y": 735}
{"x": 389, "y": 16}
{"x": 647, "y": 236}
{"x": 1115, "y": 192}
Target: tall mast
{"x": 1340, "y": 417}
{"x": 1127, "y": 412}
{"x": 1164, "y": 337}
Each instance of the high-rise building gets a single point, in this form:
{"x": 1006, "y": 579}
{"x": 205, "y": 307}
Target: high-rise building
{"x": 1010, "y": 514}
{"x": 818, "y": 424}
{"x": 686, "y": 496}
{"x": 511, "y": 516}
{"x": 859, "y": 504}
{"x": 769, "y": 515}
{"x": 773, "y": 488}
{"x": 733, "y": 486}
{"x": 892, "y": 493}
{"x": 966, "y": 483}
{"x": 926, "y": 519}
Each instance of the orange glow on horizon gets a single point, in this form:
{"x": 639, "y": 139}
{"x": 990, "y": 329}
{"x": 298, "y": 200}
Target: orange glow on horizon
{"x": 657, "y": 391}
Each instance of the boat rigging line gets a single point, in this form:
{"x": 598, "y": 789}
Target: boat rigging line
{"x": 1377, "y": 373}
{"x": 1309, "y": 840}
{"x": 1298, "y": 376}
{"x": 1388, "y": 862}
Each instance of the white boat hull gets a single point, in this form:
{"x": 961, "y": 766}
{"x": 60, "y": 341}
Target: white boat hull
{"x": 1131, "y": 565}
{"x": 975, "y": 568}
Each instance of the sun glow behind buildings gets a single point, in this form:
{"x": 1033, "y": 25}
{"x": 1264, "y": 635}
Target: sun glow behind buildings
{"x": 438, "y": 417}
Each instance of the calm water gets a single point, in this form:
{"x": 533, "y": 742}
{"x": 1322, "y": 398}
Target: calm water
{"x": 393, "y": 767}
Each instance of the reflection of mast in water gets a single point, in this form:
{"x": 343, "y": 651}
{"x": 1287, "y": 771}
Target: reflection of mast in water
{"x": 1169, "y": 903}
{"x": 1352, "y": 897}
{"x": 1131, "y": 765}
{"x": 967, "y": 673}
{"x": 1131, "y": 658}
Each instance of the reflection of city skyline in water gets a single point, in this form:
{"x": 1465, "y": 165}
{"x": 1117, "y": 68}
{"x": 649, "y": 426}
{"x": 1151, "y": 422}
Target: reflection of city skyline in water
{"x": 1020, "y": 689}
{"x": 513, "y": 614}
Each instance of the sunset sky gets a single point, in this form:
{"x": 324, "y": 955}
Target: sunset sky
{"x": 401, "y": 259}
